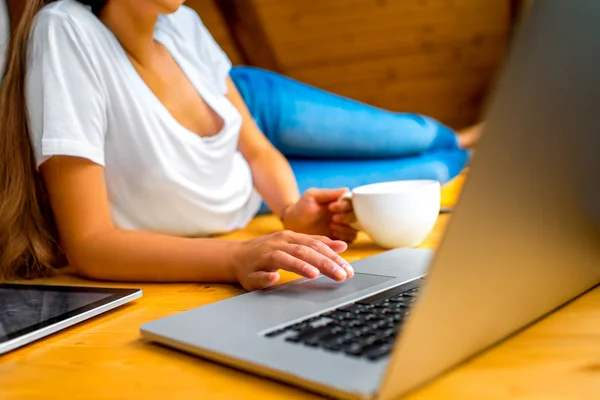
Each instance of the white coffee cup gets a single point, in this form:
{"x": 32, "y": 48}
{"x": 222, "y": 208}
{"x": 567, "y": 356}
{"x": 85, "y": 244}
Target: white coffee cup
{"x": 397, "y": 214}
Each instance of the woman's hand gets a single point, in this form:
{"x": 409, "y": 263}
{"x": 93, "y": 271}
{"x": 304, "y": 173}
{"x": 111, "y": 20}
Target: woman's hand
{"x": 256, "y": 261}
{"x": 318, "y": 212}
{"x": 343, "y": 220}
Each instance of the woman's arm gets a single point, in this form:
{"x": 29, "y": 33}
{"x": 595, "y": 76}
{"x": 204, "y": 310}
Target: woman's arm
{"x": 273, "y": 176}
{"x": 98, "y": 250}
{"x": 317, "y": 211}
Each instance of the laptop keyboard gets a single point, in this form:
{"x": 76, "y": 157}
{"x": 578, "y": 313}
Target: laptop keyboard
{"x": 364, "y": 329}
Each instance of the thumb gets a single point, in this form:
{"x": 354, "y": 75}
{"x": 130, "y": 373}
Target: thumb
{"x": 261, "y": 280}
{"x": 326, "y": 195}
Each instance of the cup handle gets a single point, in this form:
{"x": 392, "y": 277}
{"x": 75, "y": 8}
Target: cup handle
{"x": 348, "y": 197}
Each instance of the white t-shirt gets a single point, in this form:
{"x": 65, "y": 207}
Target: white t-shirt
{"x": 86, "y": 99}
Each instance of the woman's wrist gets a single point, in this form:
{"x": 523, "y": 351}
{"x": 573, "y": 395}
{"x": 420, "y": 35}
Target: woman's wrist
{"x": 235, "y": 257}
{"x": 284, "y": 212}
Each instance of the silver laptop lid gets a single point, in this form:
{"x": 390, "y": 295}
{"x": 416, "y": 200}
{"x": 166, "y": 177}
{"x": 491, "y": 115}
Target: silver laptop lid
{"x": 524, "y": 237}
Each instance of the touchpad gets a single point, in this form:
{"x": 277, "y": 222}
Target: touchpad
{"x": 324, "y": 289}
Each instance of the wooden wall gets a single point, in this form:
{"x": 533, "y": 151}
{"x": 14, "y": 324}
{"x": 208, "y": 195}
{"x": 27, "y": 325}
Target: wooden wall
{"x": 435, "y": 57}
{"x": 214, "y": 21}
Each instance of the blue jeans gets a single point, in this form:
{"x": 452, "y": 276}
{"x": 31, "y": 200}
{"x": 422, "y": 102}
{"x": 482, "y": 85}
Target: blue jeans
{"x": 331, "y": 141}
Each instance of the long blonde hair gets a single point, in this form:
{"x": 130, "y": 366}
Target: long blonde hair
{"x": 29, "y": 245}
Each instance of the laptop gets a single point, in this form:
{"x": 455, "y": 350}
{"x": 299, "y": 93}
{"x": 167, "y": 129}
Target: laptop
{"x": 523, "y": 240}
{"x": 32, "y": 312}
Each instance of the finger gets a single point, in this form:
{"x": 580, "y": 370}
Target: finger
{"x": 342, "y": 228}
{"x": 288, "y": 236}
{"x": 326, "y": 195}
{"x": 345, "y": 234}
{"x": 322, "y": 256}
{"x": 327, "y": 247}
{"x": 345, "y": 218}
{"x": 342, "y": 206}
{"x": 326, "y": 265}
{"x": 348, "y": 238}
{"x": 335, "y": 245}
{"x": 282, "y": 260}
{"x": 260, "y": 279}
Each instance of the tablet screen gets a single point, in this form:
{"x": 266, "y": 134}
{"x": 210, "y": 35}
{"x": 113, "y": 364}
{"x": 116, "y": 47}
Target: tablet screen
{"x": 26, "y": 308}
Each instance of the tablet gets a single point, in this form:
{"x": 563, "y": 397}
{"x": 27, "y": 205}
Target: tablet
{"x": 31, "y": 312}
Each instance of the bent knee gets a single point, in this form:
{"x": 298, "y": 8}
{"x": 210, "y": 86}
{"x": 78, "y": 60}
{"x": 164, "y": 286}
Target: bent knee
{"x": 447, "y": 167}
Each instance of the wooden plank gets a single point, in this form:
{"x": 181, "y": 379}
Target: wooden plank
{"x": 400, "y": 28}
{"x": 436, "y": 57}
{"x": 247, "y": 31}
{"x": 404, "y": 66}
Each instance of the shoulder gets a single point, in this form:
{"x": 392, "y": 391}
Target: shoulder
{"x": 65, "y": 18}
{"x": 186, "y": 16}
{"x": 186, "y": 23}
{"x": 191, "y": 35}
{"x": 69, "y": 41}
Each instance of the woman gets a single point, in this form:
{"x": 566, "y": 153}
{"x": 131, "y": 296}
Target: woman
{"x": 145, "y": 148}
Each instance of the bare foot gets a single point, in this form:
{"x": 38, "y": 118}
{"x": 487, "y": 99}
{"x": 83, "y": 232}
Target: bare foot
{"x": 469, "y": 137}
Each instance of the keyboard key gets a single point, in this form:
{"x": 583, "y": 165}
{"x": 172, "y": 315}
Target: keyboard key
{"x": 382, "y": 296}
{"x": 308, "y": 333}
{"x": 319, "y": 321}
{"x": 332, "y": 337}
{"x": 354, "y": 349}
{"x": 389, "y": 332}
{"x": 337, "y": 342}
{"x": 340, "y": 316}
{"x": 333, "y": 347}
{"x": 276, "y": 333}
{"x": 370, "y": 340}
{"x": 377, "y": 352}
{"x": 314, "y": 342}
{"x": 353, "y": 323}
{"x": 401, "y": 301}
{"x": 300, "y": 327}
{"x": 353, "y": 308}
{"x": 350, "y": 336}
